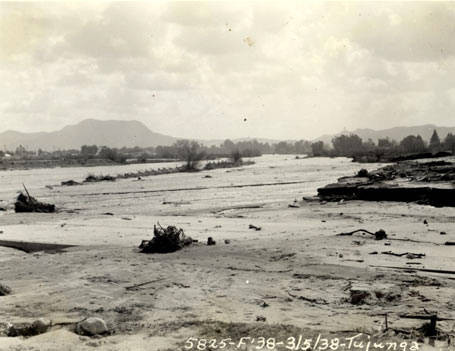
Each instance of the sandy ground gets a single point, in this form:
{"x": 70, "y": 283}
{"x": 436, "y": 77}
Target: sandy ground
{"x": 295, "y": 272}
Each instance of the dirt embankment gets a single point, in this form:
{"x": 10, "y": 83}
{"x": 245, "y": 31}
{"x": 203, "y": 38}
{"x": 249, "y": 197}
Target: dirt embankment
{"x": 431, "y": 183}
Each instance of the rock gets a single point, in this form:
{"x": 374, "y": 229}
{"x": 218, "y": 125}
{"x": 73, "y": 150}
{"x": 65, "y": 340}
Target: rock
{"x": 4, "y": 290}
{"x": 260, "y": 319}
{"x": 227, "y": 241}
{"x": 41, "y": 325}
{"x": 443, "y": 233}
{"x": 210, "y": 241}
{"x": 362, "y": 173}
{"x": 380, "y": 235}
{"x": 92, "y": 326}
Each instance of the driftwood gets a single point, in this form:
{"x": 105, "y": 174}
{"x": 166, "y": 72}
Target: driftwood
{"x": 441, "y": 271}
{"x": 409, "y": 255}
{"x": 135, "y": 286}
{"x": 379, "y": 235}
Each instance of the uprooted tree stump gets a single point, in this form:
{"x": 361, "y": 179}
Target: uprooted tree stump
{"x": 27, "y": 203}
{"x": 165, "y": 240}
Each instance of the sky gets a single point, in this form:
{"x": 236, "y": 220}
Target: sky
{"x": 211, "y": 70}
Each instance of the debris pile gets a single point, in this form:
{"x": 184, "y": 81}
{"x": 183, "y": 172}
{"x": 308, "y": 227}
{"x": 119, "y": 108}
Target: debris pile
{"x": 92, "y": 178}
{"x": 70, "y": 183}
{"x": 27, "y": 203}
{"x": 37, "y": 327}
{"x": 371, "y": 294}
{"x": 165, "y": 240}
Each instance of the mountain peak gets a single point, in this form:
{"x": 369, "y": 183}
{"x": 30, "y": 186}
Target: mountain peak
{"x": 112, "y": 133}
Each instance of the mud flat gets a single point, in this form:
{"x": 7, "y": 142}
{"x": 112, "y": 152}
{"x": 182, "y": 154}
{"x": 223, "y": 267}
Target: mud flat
{"x": 293, "y": 277}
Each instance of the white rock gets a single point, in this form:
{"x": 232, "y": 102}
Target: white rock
{"x": 93, "y": 326}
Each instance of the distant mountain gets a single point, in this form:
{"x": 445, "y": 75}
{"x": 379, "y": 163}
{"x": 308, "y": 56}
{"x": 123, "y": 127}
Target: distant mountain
{"x": 396, "y": 133}
{"x": 88, "y": 132}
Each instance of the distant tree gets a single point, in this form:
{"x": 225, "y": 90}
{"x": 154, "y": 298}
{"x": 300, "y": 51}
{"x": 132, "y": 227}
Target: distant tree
{"x": 385, "y": 143}
{"x": 317, "y": 148}
{"x": 190, "y": 151}
{"x": 413, "y": 144}
{"x": 89, "y": 151}
{"x": 236, "y": 157}
{"x": 111, "y": 154}
{"x": 20, "y": 151}
{"x": 302, "y": 147}
{"x": 449, "y": 143}
{"x": 228, "y": 146}
{"x": 369, "y": 145}
{"x": 435, "y": 142}
{"x": 284, "y": 148}
{"x": 347, "y": 145}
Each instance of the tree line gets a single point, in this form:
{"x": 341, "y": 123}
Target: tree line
{"x": 248, "y": 148}
{"x": 343, "y": 145}
{"x": 353, "y": 146}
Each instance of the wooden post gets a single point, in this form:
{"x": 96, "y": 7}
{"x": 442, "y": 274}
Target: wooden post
{"x": 433, "y": 319}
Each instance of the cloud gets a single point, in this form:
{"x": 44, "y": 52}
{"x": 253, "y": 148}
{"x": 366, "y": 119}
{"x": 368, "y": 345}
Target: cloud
{"x": 196, "y": 69}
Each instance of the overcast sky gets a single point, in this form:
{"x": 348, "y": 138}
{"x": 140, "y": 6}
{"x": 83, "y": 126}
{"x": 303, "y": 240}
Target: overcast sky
{"x": 199, "y": 69}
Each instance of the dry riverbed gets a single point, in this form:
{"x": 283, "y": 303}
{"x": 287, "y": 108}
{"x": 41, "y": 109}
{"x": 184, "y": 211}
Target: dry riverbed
{"x": 294, "y": 276}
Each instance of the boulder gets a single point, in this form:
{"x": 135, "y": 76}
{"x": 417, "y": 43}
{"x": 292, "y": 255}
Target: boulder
{"x": 92, "y": 326}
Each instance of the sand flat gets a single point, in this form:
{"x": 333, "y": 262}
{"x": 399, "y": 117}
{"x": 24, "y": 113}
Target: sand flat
{"x": 295, "y": 271}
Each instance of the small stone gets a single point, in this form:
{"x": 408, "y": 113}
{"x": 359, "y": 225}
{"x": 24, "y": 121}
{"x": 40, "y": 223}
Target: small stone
{"x": 92, "y": 326}
{"x": 260, "y": 319}
{"x": 210, "y": 241}
{"x": 443, "y": 233}
{"x": 227, "y": 241}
